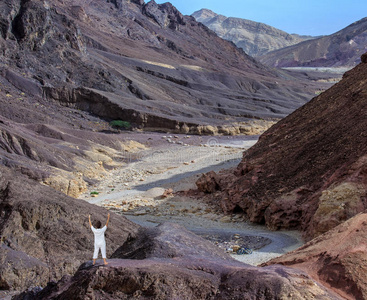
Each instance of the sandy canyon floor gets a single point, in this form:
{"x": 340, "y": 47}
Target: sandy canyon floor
{"x": 148, "y": 191}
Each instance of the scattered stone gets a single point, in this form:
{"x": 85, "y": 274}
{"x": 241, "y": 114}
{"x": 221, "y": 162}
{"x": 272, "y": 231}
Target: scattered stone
{"x": 141, "y": 212}
{"x": 155, "y": 193}
{"x": 167, "y": 193}
{"x": 226, "y": 219}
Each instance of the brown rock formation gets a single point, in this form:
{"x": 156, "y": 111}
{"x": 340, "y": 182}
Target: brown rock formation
{"x": 208, "y": 183}
{"x": 337, "y": 258}
{"x": 45, "y": 234}
{"x": 309, "y": 170}
{"x": 175, "y": 264}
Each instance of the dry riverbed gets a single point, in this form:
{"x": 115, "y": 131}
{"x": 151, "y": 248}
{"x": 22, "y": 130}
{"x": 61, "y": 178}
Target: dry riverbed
{"x": 145, "y": 191}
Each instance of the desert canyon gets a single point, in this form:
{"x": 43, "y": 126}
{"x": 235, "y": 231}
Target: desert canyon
{"x": 195, "y": 138}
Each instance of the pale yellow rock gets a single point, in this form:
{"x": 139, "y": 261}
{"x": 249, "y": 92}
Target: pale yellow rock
{"x": 337, "y": 204}
{"x": 225, "y": 219}
{"x": 235, "y": 248}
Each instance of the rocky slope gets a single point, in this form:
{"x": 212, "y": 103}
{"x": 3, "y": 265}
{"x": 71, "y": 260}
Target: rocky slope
{"x": 67, "y": 68}
{"x": 341, "y": 49}
{"x": 254, "y": 38}
{"x": 45, "y": 238}
{"x": 64, "y": 148}
{"x": 45, "y": 234}
{"x": 172, "y": 263}
{"x": 337, "y": 258}
{"x": 309, "y": 170}
{"x": 143, "y": 63}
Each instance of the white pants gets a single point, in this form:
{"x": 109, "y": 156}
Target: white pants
{"x": 96, "y": 250}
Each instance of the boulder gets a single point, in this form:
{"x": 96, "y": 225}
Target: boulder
{"x": 208, "y": 183}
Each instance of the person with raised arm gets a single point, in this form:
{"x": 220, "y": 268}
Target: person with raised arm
{"x": 99, "y": 239}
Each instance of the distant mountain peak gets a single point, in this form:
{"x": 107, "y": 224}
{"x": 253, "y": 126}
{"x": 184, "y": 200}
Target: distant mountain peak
{"x": 341, "y": 49}
{"x": 254, "y": 38}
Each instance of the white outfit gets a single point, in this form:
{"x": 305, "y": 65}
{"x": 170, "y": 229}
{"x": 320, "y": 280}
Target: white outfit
{"x": 99, "y": 241}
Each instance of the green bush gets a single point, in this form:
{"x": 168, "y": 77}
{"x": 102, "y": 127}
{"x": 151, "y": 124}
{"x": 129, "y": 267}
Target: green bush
{"x": 94, "y": 193}
{"x": 120, "y": 124}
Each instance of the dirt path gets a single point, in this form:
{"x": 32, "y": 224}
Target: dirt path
{"x": 136, "y": 192}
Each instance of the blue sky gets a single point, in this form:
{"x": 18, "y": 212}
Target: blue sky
{"x": 308, "y": 17}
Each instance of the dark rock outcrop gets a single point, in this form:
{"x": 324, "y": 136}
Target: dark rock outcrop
{"x": 176, "y": 264}
{"x": 45, "y": 234}
{"x": 341, "y": 49}
{"x": 254, "y": 38}
{"x": 309, "y": 170}
{"x": 166, "y": 15}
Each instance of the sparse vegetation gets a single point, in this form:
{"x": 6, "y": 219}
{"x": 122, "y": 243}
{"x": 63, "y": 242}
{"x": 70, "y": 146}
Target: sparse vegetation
{"x": 119, "y": 124}
{"x": 94, "y": 193}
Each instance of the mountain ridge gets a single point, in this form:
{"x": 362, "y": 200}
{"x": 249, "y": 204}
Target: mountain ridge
{"x": 143, "y": 56}
{"x": 254, "y": 37}
{"x": 341, "y": 49}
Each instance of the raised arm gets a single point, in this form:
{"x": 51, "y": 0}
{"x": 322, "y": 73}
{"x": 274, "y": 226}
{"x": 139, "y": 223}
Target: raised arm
{"x": 90, "y": 223}
{"x": 108, "y": 219}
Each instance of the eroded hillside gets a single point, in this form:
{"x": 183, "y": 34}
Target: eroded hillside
{"x": 309, "y": 170}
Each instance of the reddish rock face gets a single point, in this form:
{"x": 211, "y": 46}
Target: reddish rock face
{"x": 309, "y": 171}
{"x": 337, "y": 258}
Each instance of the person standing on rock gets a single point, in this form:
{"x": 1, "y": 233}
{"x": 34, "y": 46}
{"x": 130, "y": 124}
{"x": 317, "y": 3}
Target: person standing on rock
{"x": 99, "y": 239}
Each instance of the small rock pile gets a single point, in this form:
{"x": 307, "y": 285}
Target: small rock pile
{"x": 231, "y": 243}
